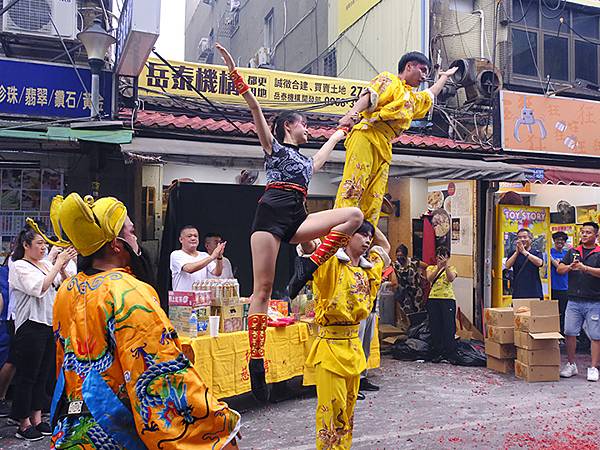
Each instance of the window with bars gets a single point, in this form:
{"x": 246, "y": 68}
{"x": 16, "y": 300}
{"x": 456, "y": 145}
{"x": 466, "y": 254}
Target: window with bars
{"x": 330, "y": 64}
{"x": 558, "y": 40}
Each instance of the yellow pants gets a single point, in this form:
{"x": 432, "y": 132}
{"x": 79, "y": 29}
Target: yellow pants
{"x": 335, "y": 409}
{"x": 366, "y": 170}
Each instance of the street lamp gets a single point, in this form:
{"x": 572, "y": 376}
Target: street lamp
{"x": 96, "y": 41}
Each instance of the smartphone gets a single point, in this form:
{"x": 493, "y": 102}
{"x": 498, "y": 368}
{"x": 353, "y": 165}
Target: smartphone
{"x": 576, "y": 257}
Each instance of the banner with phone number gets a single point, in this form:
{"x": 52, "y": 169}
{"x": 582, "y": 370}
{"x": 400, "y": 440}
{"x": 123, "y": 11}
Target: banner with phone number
{"x": 273, "y": 89}
{"x": 511, "y": 219}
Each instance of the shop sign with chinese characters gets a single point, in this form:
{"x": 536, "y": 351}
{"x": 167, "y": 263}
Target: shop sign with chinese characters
{"x": 273, "y": 89}
{"x": 48, "y": 90}
{"x": 550, "y": 125}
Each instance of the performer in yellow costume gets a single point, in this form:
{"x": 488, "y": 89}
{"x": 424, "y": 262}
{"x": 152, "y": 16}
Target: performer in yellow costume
{"x": 123, "y": 381}
{"x": 345, "y": 288}
{"x": 385, "y": 109}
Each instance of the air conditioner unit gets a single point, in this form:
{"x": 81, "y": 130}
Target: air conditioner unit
{"x": 263, "y": 57}
{"x": 204, "y": 45}
{"x": 33, "y": 17}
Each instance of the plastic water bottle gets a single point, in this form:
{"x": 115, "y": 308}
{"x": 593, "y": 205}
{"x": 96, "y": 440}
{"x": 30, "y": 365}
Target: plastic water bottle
{"x": 193, "y": 328}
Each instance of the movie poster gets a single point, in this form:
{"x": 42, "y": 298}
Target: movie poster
{"x": 510, "y": 219}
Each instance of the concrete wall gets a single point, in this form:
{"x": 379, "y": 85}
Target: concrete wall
{"x": 550, "y": 195}
{"x": 391, "y": 28}
{"x": 300, "y": 28}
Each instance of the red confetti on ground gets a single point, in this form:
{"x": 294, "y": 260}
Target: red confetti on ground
{"x": 562, "y": 440}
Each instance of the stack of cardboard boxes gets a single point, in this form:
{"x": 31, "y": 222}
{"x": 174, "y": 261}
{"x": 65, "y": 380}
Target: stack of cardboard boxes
{"x": 537, "y": 329}
{"x": 499, "y": 344}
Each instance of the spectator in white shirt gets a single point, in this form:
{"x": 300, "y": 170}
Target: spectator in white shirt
{"x": 211, "y": 241}
{"x": 188, "y": 265}
{"x": 34, "y": 281}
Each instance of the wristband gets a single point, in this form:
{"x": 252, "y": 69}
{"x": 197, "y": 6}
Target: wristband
{"x": 238, "y": 82}
{"x": 346, "y": 130}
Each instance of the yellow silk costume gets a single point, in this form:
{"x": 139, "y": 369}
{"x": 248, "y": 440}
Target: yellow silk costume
{"x": 393, "y": 106}
{"x": 119, "y": 354}
{"x": 344, "y": 296}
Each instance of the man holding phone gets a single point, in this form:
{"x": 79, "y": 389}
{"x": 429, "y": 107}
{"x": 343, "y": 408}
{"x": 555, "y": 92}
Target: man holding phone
{"x": 582, "y": 263}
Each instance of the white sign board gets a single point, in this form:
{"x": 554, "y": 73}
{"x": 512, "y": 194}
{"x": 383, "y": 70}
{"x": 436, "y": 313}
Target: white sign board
{"x": 139, "y": 27}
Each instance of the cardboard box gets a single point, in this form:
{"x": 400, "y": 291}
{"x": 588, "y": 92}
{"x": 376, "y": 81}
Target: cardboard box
{"x": 536, "y": 324}
{"x": 501, "y": 335}
{"x": 500, "y": 365}
{"x": 190, "y": 298}
{"x": 203, "y": 313}
{"x": 232, "y": 318}
{"x": 465, "y": 329}
{"x": 499, "y": 317}
{"x": 537, "y": 341}
{"x": 536, "y": 307}
{"x": 547, "y": 357}
{"x": 533, "y": 374}
{"x": 500, "y": 351}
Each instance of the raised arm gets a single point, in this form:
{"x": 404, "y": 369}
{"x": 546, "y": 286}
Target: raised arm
{"x": 442, "y": 80}
{"x": 380, "y": 239}
{"x": 262, "y": 127}
{"x": 322, "y": 155}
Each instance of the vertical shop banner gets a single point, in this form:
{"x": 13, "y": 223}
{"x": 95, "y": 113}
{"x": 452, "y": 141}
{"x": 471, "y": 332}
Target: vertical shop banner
{"x": 349, "y": 11}
{"x": 273, "y": 89}
{"x": 510, "y": 219}
{"x": 571, "y": 229}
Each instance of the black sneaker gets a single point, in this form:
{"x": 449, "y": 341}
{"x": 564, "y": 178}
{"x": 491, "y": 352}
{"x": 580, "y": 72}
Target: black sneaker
{"x": 5, "y": 408}
{"x": 303, "y": 273}
{"x": 360, "y": 396}
{"x": 29, "y": 434}
{"x": 258, "y": 382}
{"x": 366, "y": 385}
{"x": 44, "y": 428}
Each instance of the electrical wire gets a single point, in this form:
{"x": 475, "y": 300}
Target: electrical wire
{"x": 560, "y": 13}
{"x": 196, "y": 90}
{"x": 62, "y": 41}
{"x": 355, "y": 46}
{"x": 7, "y": 7}
{"x": 37, "y": 124}
{"x": 525, "y": 12}
{"x": 462, "y": 41}
{"x": 533, "y": 55}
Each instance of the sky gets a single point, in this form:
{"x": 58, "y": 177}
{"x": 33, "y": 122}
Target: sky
{"x": 172, "y": 24}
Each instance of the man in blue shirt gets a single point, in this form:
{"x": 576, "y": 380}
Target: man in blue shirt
{"x": 526, "y": 264}
{"x": 560, "y": 283}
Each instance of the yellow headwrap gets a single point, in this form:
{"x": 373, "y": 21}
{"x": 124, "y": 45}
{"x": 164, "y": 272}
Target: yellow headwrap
{"x": 85, "y": 224}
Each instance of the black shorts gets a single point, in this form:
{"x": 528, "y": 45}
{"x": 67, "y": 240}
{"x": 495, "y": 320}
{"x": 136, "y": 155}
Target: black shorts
{"x": 280, "y": 212}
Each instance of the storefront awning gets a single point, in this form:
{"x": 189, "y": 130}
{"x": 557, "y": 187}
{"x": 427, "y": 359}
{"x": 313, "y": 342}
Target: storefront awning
{"x": 218, "y": 153}
{"x": 69, "y": 135}
{"x": 569, "y": 177}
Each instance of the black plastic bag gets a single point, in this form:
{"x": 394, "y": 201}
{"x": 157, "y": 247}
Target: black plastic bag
{"x": 470, "y": 353}
{"x": 421, "y": 332}
{"x": 411, "y": 350}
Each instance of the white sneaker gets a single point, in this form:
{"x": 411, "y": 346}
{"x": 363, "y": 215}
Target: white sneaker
{"x": 593, "y": 374}
{"x": 569, "y": 370}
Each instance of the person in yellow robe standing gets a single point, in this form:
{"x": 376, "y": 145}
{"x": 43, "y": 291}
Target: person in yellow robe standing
{"x": 345, "y": 288}
{"x": 384, "y": 110}
{"x": 123, "y": 380}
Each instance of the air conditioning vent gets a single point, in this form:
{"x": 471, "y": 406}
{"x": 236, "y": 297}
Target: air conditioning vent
{"x": 34, "y": 17}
